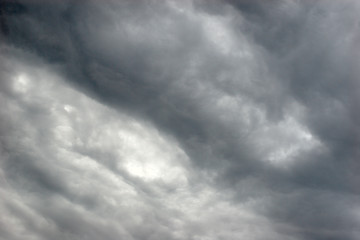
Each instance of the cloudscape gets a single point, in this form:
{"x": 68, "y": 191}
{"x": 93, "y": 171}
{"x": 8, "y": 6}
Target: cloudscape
{"x": 179, "y": 119}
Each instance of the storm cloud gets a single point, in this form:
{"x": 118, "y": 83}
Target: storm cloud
{"x": 169, "y": 119}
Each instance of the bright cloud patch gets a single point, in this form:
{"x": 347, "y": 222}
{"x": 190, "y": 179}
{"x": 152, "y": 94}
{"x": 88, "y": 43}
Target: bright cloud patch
{"x": 97, "y": 167}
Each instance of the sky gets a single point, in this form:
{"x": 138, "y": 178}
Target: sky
{"x": 179, "y": 119}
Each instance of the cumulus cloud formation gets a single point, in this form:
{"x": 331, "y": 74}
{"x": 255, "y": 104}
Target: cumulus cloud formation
{"x": 195, "y": 119}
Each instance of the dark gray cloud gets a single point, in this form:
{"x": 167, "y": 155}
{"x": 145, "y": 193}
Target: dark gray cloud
{"x": 179, "y": 120}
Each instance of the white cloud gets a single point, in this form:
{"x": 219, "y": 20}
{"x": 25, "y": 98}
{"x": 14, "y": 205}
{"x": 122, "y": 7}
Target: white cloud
{"x": 102, "y": 161}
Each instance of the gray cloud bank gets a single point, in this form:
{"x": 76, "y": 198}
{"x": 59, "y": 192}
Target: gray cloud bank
{"x": 180, "y": 119}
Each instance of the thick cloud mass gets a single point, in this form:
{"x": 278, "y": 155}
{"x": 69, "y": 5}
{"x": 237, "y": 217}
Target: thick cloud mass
{"x": 167, "y": 119}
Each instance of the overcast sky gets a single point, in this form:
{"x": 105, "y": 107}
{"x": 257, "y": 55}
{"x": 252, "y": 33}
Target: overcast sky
{"x": 180, "y": 119}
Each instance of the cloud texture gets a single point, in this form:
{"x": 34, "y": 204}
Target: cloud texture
{"x": 167, "y": 119}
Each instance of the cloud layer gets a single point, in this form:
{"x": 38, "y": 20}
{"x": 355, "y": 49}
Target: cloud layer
{"x": 179, "y": 120}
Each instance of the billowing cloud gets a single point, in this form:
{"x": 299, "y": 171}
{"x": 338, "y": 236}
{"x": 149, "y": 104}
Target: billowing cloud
{"x": 179, "y": 119}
